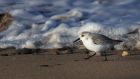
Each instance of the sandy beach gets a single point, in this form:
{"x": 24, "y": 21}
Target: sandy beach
{"x": 38, "y": 37}
{"x": 67, "y": 66}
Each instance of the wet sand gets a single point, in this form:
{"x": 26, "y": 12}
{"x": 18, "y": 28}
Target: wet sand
{"x": 67, "y": 66}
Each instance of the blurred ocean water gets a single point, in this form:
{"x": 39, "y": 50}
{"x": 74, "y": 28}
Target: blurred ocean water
{"x": 56, "y": 23}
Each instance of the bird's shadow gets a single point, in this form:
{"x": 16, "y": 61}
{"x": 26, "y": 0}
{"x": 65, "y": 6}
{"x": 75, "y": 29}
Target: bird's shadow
{"x": 46, "y": 65}
{"x": 76, "y": 60}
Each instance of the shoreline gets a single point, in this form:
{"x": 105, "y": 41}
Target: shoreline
{"x": 46, "y": 65}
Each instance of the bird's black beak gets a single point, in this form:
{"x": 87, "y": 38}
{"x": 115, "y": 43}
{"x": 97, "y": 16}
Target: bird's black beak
{"x": 76, "y": 40}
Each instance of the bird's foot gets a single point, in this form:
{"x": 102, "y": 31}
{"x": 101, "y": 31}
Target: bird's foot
{"x": 105, "y": 59}
{"x": 86, "y": 58}
{"x": 89, "y": 56}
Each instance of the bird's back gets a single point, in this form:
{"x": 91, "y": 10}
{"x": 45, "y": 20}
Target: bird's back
{"x": 102, "y": 39}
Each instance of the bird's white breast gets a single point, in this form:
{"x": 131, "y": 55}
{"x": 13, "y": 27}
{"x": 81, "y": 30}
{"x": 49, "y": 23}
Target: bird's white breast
{"x": 88, "y": 43}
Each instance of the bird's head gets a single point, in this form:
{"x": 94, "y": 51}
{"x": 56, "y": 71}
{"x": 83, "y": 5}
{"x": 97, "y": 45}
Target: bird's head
{"x": 83, "y": 35}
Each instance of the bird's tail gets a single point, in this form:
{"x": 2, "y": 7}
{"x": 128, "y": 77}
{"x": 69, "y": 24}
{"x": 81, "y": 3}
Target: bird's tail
{"x": 118, "y": 41}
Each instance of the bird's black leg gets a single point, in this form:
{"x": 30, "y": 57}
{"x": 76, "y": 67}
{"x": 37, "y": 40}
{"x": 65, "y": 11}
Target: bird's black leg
{"x": 89, "y": 56}
{"x": 105, "y": 55}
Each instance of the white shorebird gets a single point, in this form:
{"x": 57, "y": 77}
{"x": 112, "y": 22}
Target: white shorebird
{"x": 97, "y": 43}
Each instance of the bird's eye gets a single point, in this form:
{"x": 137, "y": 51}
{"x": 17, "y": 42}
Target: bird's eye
{"x": 82, "y": 35}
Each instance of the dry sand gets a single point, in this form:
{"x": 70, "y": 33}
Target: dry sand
{"x": 67, "y": 66}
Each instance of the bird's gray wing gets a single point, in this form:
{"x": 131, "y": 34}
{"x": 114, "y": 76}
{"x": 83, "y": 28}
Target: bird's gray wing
{"x": 100, "y": 39}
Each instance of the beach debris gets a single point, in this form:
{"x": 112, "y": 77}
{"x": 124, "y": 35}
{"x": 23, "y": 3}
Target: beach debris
{"x": 125, "y": 53}
{"x": 137, "y": 46}
{"x": 5, "y": 21}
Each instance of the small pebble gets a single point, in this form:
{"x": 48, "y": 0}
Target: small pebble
{"x": 125, "y": 53}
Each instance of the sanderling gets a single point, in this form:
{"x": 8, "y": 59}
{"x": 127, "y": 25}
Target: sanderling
{"x": 97, "y": 43}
